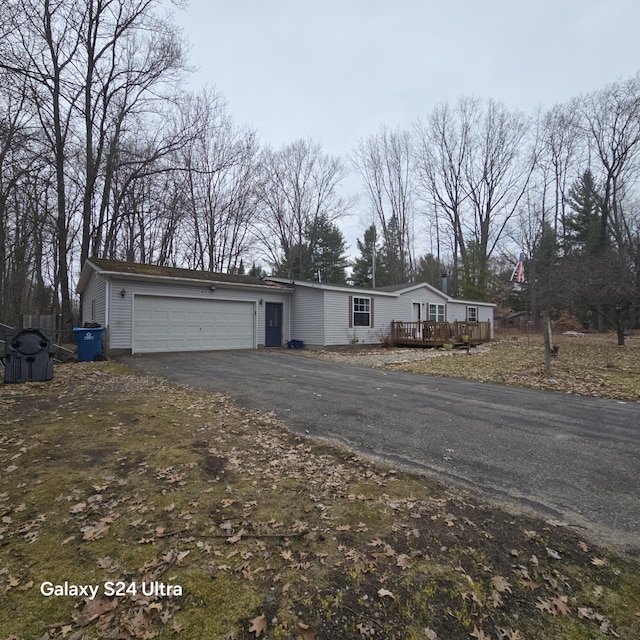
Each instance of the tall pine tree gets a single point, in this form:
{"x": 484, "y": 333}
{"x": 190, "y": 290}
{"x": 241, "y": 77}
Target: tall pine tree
{"x": 584, "y": 225}
{"x": 321, "y": 256}
{"x": 365, "y": 273}
{"x": 326, "y": 252}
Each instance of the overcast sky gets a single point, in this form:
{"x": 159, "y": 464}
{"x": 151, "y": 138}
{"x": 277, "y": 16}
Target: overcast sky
{"x": 335, "y": 70}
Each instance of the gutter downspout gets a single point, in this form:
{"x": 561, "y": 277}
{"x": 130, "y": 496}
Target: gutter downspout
{"x": 107, "y": 311}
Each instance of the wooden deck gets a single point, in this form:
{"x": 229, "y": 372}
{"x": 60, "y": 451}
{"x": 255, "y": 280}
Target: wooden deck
{"x": 428, "y": 333}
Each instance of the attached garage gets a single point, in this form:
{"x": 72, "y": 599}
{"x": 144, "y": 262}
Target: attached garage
{"x": 186, "y": 324}
{"x": 151, "y": 309}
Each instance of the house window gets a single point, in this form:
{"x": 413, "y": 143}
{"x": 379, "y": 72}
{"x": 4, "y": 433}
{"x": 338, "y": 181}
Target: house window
{"x": 361, "y": 312}
{"x": 472, "y": 314}
{"x": 437, "y": 312}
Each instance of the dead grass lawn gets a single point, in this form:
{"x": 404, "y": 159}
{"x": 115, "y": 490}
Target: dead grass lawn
{"x": 193, "y": 518}
{"x": 592, "y": 365}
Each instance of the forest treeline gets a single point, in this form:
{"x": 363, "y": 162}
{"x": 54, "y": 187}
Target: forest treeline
{"x": 104, "y": 152}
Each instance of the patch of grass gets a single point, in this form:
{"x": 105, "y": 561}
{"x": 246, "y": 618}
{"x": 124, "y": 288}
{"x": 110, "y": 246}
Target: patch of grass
{"x": 114, "y": 477}
{"x": 592, "y": 365}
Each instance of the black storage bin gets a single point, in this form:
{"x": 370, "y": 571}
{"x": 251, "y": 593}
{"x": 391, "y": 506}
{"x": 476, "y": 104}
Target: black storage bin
{"x": 28, "y": 355}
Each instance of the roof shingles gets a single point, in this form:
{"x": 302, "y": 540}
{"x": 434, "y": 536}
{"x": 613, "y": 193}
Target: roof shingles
{"x": 135, "y": 269}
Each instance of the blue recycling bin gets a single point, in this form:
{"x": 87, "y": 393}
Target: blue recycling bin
{"x": 89, "y": 342}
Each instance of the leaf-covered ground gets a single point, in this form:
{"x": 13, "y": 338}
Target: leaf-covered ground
{"x": 590, "y": 364}
{"x": 182, "y": 515}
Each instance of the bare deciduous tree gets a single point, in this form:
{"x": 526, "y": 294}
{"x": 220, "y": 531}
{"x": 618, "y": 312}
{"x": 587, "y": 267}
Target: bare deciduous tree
{"x": 298, "y": 186}
{"x": 384, "y": 161}
{"x": 474, "y": 168}
{"x": 219, "y": 176}
{"x": 610, "y": 120}
{"x": 442, "y": 146}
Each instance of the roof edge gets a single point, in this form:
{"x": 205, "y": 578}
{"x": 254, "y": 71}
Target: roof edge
{"x": 205, "y": 279}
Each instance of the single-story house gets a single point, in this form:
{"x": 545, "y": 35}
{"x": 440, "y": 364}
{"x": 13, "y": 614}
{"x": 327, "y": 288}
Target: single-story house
{"x": 146, "y": 309}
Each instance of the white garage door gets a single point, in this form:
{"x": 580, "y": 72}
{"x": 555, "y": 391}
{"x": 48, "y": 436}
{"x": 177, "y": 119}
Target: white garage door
{"x": 187, "y": 324}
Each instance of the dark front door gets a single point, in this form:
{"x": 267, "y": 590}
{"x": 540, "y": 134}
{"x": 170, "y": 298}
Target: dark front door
{"x": 273, "y": 328}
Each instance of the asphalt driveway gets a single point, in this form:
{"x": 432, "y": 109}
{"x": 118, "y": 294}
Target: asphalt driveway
{"x": 571, "y": 459}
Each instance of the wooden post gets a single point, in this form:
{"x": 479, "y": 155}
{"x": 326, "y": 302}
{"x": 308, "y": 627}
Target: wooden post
{"x": 548, "y": 342}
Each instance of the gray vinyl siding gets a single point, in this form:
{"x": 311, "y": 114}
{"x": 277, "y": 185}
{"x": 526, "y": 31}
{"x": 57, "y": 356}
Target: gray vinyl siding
{"x": 456, "y": 311}
{"x": 94, "y": 301}
{"x": 121, "y": 327}
{"x": 308, "y": 316}
{"x": 338, "y": 309}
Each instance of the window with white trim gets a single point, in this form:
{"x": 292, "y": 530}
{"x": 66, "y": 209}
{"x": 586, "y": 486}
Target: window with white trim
{"x": 472, "y": 314}
{"x": 437, "y": 312}
{"x": 361, "y": 312}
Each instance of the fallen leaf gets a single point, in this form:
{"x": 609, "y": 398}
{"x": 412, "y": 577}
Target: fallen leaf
{"x": 560, "y": 605}
{"x": 237, "y": 537}
{"x": 385, "y": 593}
{"x": 78, "y": 508}
{"x": 508, "y": 634}
{"x": 530, "y": 584}
{"x": 554, "y": 606}
{"x": 553, "y": 553}
{"x": 479, "y": 634}
{"x": 307, "y": 632}
{"x": 501, "y": 584}
{"x": 93, "y": 609}
{"x": 11, "y": 583}
{"x": 97, "y": 532}
{"x": 599, "y": 562}
{"x": 404, "y": 561}
{"x": 26, "y": 586}
{"x": 258, "y": 625}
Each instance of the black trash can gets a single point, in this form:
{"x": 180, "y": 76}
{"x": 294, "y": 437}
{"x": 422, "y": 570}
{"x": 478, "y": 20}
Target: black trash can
{"x": 28, "y": 355}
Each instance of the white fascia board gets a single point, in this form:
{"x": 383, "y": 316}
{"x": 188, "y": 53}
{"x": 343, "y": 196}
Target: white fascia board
{"x": 336, "y": 287}
{"x": 473, "y": 303}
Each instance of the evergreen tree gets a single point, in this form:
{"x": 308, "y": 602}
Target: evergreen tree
{"x": 363, "y": 267}
{"x": 326, "y": 252}
{"x": 430, "y": 270}
{"x": 320, "y": 256}
{"x": 398, "y": 268}
{"x": 545, "y": 288}
{"x": 257, "y": 271}
{"x": 475, "y": 273}
{"x": 584, "y": 226}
